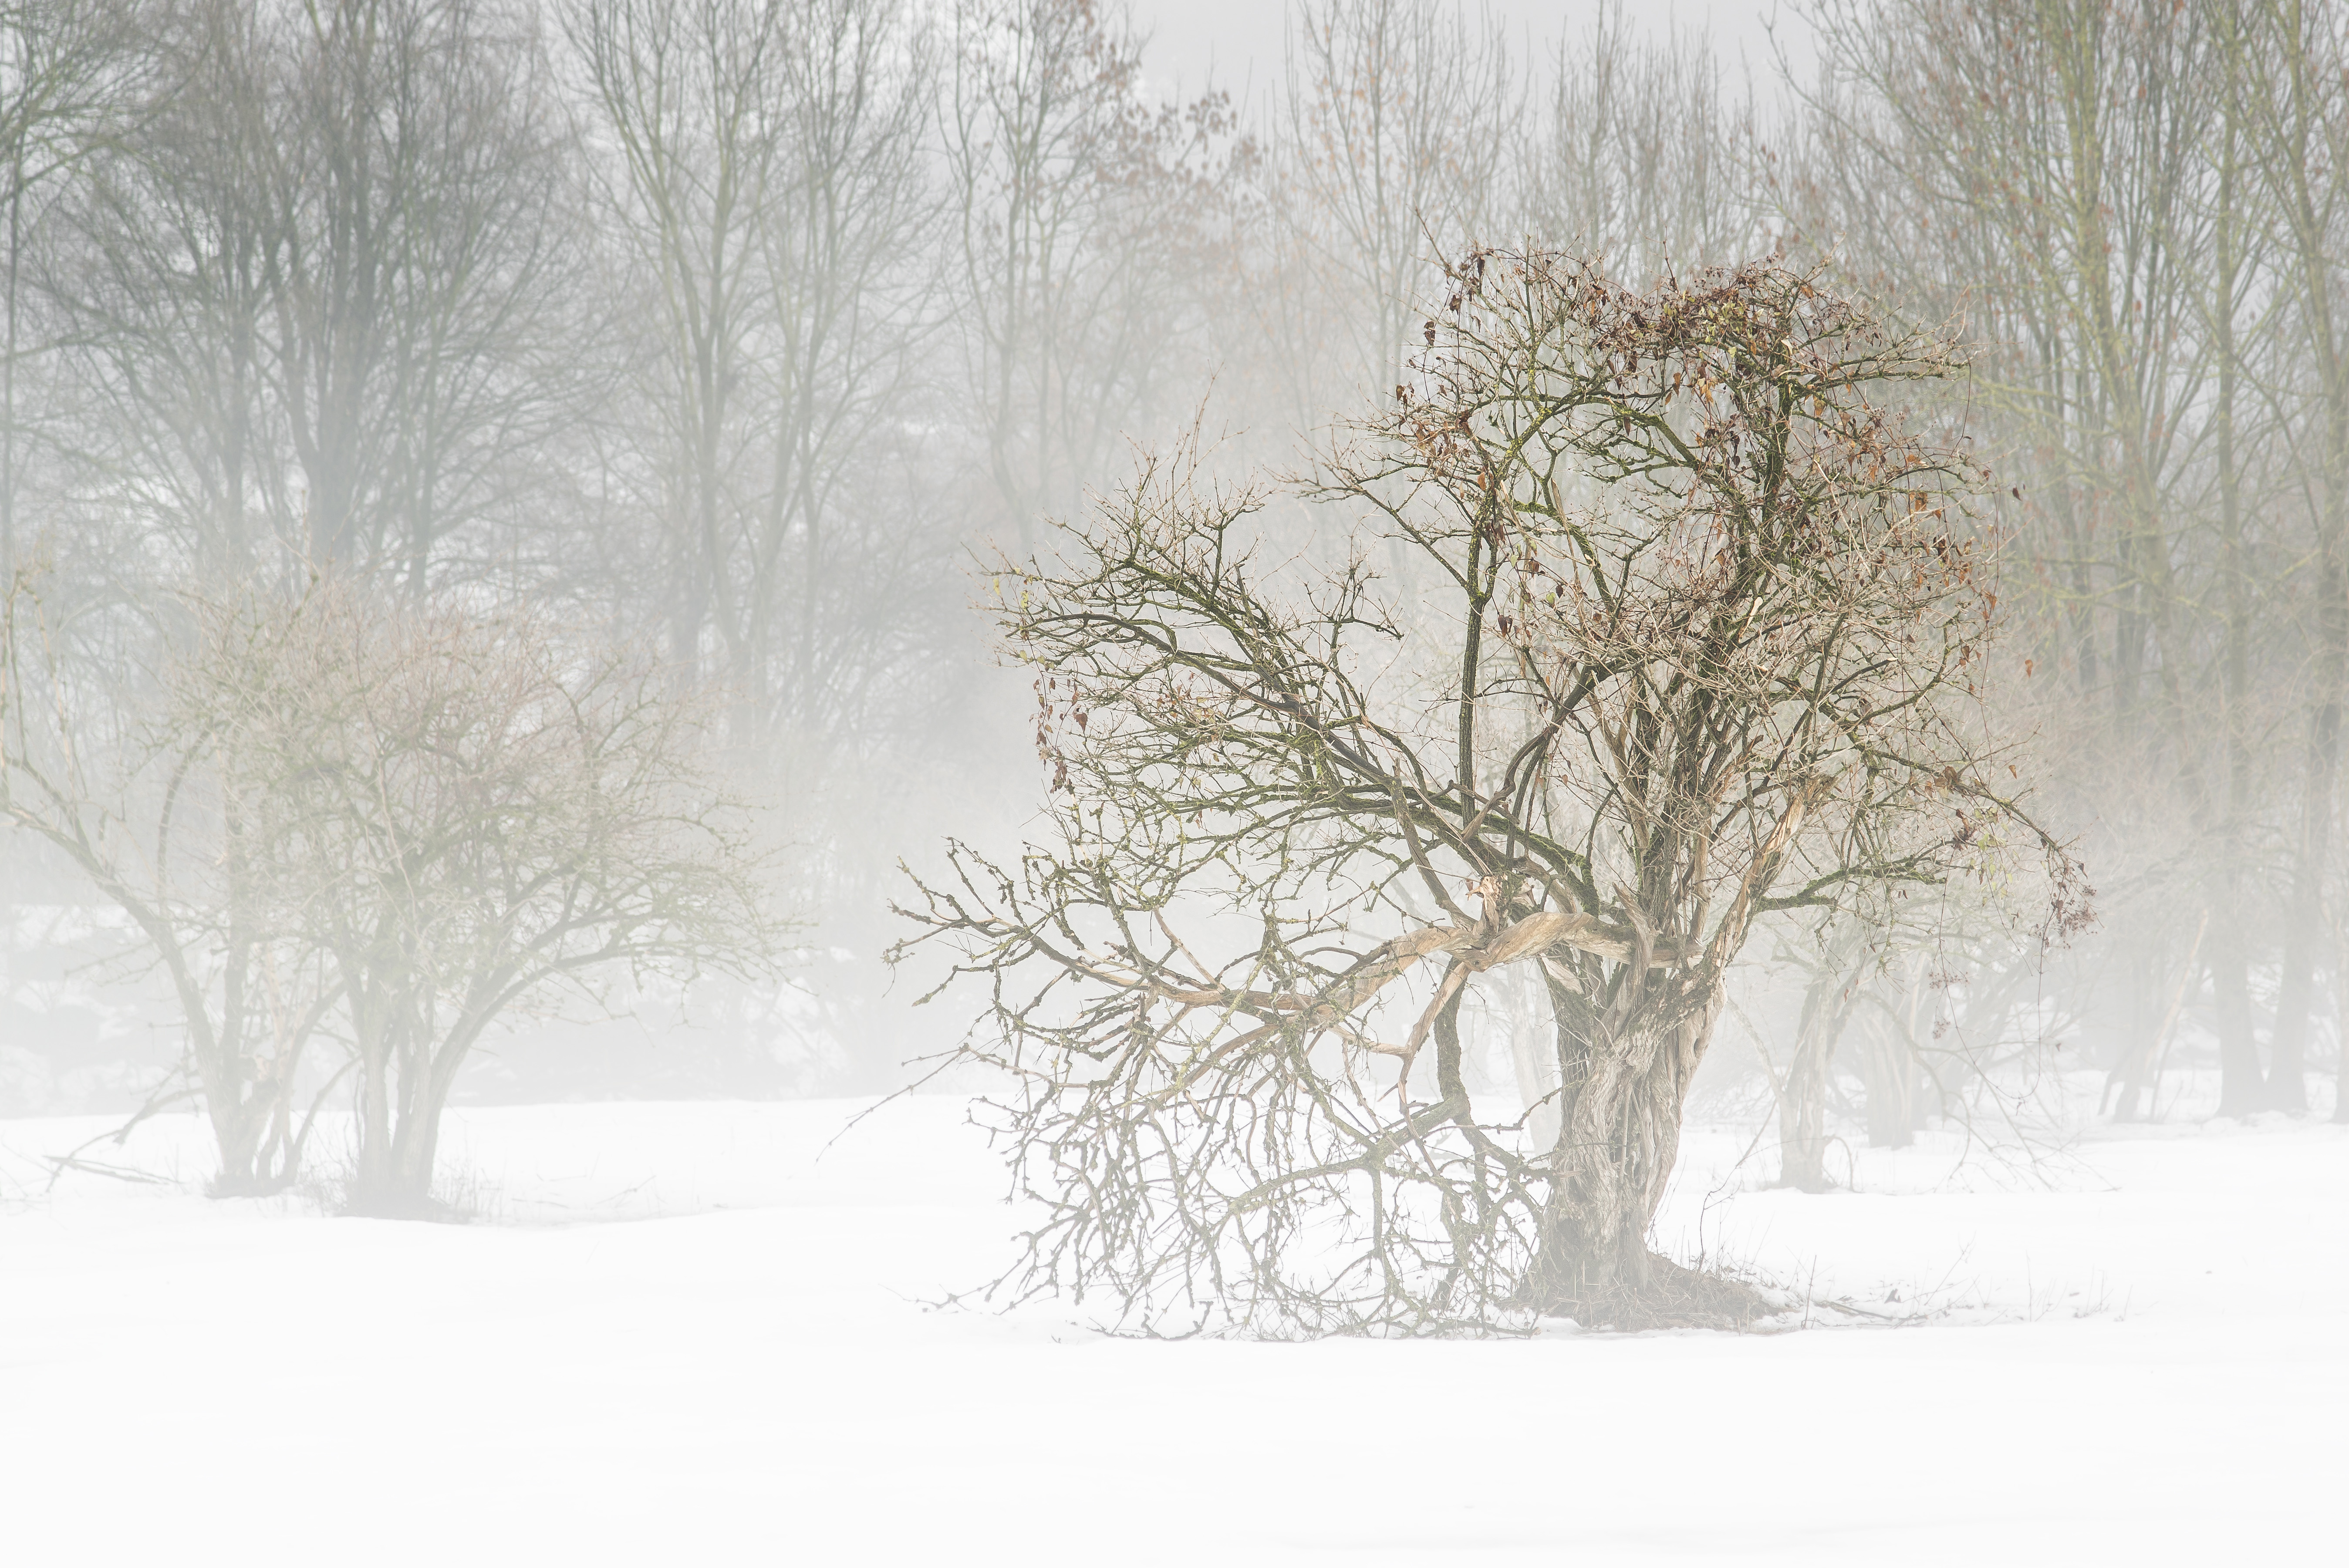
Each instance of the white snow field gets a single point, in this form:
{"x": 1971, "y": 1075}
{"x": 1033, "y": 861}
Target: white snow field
{"x": 679, "y": 1338}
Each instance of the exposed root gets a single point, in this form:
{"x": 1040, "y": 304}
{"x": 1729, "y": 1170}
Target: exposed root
{"x": 1672, "y": 1296}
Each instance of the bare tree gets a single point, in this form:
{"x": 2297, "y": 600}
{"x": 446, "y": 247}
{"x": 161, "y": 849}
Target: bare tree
{"x": 467, "y": 814}
{"x": 315, "y": 297}
{"x": 159, "y": 814}
{"x": 2298, "y": 106}
{"x": 1086, "y": 218}
{"x": 691, "y": 100}
{"x": 2081, "y": 180}
{"x": 421, "y": 204}
{"x": 68, "y": 77}
{"x": 812, "y": 613}
{"x": 170, "y": 291}
{"x": 1711, "y": 607}
{"x": 1643, "y": 157}
{"x": 489, "y": 343}
{"x": 1393, "y": 143}
{"x": 1896, "y": 1017}
{"x": 387, "y": 823}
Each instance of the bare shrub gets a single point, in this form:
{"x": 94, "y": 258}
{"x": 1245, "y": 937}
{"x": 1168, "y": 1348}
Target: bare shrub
{"x": 468, "y": 814}
{"x": 358, "y": 817}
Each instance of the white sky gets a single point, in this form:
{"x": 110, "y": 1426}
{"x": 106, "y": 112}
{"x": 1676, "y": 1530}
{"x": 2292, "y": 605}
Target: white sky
{"x": 1242, "y": 38}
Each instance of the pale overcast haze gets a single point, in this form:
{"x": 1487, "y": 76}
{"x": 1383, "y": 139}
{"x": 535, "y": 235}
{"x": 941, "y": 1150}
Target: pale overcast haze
{"x": 1240, "y": 40}
{"x": 776, "y": 775}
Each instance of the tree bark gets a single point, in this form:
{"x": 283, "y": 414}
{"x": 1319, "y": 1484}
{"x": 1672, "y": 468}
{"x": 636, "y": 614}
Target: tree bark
{"x": 1626, "y": 1085}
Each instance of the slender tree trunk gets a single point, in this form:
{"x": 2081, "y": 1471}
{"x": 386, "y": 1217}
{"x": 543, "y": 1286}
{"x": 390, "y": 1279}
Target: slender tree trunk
{"x": 1889, "y": 1070}
{"x": 1803, "y": 1115}
{"x": 2138, "y": 1075}
{"x": 238, "y": 1120}
{"x": 1802, "y": 1098}
{"x": 372, "y": 1183}
{"x": 2239, "y": 1079}
{"x": 2287, "y": 1085}
{"x": 2300, "y": 148}
{"x": 415, "y": 1148}
{"x": 8, "y": 387}
{"x": 2341, "y": 1081}
{"x": 1828, "y": 1004}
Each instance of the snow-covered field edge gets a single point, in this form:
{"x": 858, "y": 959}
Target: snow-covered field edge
{"x": 700, "y": 1331}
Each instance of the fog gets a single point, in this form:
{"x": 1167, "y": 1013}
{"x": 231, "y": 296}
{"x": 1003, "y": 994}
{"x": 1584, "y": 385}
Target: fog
{"x": 1643, "y": 689}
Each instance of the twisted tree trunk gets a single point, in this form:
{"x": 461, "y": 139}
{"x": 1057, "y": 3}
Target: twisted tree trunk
{"x": 1626, "y": 1085}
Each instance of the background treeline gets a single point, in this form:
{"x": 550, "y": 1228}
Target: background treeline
{"x": 727, "y": 330}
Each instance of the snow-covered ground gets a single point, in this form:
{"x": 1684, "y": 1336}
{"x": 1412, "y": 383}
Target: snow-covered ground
{"x": 680, "y": 1338}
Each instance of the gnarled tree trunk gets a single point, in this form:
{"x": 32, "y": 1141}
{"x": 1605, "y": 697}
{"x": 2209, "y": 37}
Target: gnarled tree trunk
{"x": 1626, "y": 1085}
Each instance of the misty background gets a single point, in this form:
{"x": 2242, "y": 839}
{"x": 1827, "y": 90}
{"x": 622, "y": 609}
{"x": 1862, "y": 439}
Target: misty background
{"x": 741, "y": 335}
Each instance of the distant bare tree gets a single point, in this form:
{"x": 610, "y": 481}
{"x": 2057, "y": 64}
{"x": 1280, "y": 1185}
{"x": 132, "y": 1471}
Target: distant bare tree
{"x": 1711, "y": 611}
{"x": 315, "y": 297}
{"x": 1087, "y": 217}
{"x": 815, "y": 608}
{"x": 1394, "y": 144}
{"x": 2083, "y": 179}
{"x": 692, "y": 103}
{"x": 491, "y": 347}
{"x": 160, "y": 811}
{"x": 2293, "y": 78}
{"x": 770, "y": 175}
{"x": 1896, "y": 1019}
{"x": 1644, "y": 156}
{"x": 421, "y": 196}
{"x": 170, "y": 287}
{"x": 467, "y": 814}
{"x": 69, "y": 75}
{"x": 1839, "y": 973}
